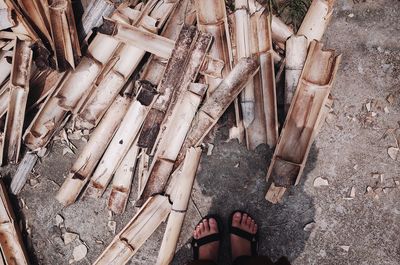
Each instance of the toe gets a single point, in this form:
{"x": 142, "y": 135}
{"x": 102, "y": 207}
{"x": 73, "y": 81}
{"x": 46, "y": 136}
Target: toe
{"x": 202, "y": 229}
{"x": 213, "y": 225}
{"x": 248, "y": 221}
{"x": 254, "y": 229}
{"x": 236, "y": 219}
{"x": 198, "y": 230}
{"x": 206, "y": 225}
{"x": 244, "y": 219}
{"x": 195, "y": 234}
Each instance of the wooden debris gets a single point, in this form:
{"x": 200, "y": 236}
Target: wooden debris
{"x": 122, "y": 181}
{"x": 280, "y": 32}
{"x": 136, "y": 232}
{"x": 180, "y": 201}
{"x": 6, "y": 20}
{"x": 92, "y": 152}
{"x": 23, "y": 171}
{"x": 122, "y": 140}
{"x": 12, "y": 248}
{"x": 5, "y": 65}
{"x": 19, "y": 88}
{"x": 303, "y": 117}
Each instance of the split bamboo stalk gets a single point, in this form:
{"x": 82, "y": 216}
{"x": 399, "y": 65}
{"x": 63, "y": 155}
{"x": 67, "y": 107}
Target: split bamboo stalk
{"x": 70, "y": 92}
{"x": 122, "y": 181}
{"x": 5, "y": 65}
{"x": 171, "y": 79}
{"x": 304, "y": 116}
{"x": 172, "y": 139}
{"x": 296, "y": 53}
{"x": 280, "y": 32}
{"x": 129, "y": 58}
{"x": 6, "y": 20}
{"x": 316, "y": 20}
{"x": 64, "y": 35}
{"x": 211, "y": 18}
{"x": 19, "y": 88}
{"x": 143, "y": 171}
{"x": 12, "y": 248}
{"x": 24, "y": 169}
{"x": 242, "y": 22}
{"x": 37, "y": 11}
{"x": 4, "y": 98}
{"x": 214, "y": 106}
{"x": 89, "y": 157}
{"x": 179, "y": 206}
{"x": 122, "y": 140}
{"x": 136, "y": 232}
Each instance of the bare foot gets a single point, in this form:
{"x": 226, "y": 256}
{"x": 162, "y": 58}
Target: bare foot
{"x": 208, "y": 251}
{"x": 241, "y": 246}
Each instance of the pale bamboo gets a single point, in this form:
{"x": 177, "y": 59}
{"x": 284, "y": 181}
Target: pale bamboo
{"x": 122, "y": 140}
{"x": 92, "y": 152}
{"x": 172, "y": 139}
{"x": 280, "y": 32}
{"x": 316, "y": 20}
{"x": 5, "y": 65}
{"x": 296, "y": 53}
{"x": 122, "y": 181}
{"x": 304, "y": 115}
{"x": 215, "y": 105}
{"x": 242, "y": 22}
{"x": 4, "y": 98}
{"x": 24, "y": 169}
{"x": 6, "y": 20}
{"x": 136, "y": 232}
{"x": 38, "y": 13}
{"x": 183, "y": 189}
{"x": 12, "y": 248}
{"x": 19, "y": 89}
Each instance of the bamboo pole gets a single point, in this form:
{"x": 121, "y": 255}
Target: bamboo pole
{"x": 129, "y": 58}
{"x": 214, "y": 106}
{"x": 122, "y": 140}
{"x": 136, "y": 232}
{"x": 296, "y": 53}
{"x": 19, "y": 88}
{"x": 64, "y": 35}
{"x": 303, "y": 118}
{"x": 316, "y": 20}
{"x": 242, "y": 22}
{"x": 122, "y": 181}
{"x": 12, "y": 248}
{"x": 70, "y": 92}
{"x": 4, "y": 98}
{"x": 38, "y": 13}
{"x": 280, "y": 32}
{"x": 89, "y": 157}
{"x": 179, "y": 206}
{"x": 5, "y": 65}
{"x": 172, "y": 140}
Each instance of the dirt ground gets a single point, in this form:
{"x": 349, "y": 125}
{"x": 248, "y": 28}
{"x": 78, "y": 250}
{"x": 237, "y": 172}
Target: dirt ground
{"x": 350, "y": 151}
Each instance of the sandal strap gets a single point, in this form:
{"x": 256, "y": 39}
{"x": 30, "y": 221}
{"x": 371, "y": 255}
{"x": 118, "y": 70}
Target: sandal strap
{"x": 207, "y": 239}
{"x": 243, "y": 234}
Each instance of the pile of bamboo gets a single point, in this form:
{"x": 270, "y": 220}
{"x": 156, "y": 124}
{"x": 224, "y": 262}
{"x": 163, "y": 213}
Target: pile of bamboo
{"x": 149, "y": 115}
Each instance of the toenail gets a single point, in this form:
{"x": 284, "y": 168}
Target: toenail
{"x": 237, "y": 214}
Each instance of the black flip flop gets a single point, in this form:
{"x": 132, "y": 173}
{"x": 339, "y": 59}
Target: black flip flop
{"x": 197, "y": 243}
{"x": 244, "y": 234}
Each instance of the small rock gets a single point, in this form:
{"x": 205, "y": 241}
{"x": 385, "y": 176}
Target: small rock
{"x": 69, "y": 237}
{"x": 350, "y": 15}
{"x": 368, "y": 106}
{"x": 59, "y": 220}
{"x": 112, "y": 226}
{"x": 393, "y": 152}
{"x": 390, "y": 98}
{"x": 309, "y": 227}
{"x": 210, "y": 148}
{"x": 386, "y": 109}
{"x": 79, "y": 252}
{"x": 319, "y": 182}
{"x": 345, "y": 248}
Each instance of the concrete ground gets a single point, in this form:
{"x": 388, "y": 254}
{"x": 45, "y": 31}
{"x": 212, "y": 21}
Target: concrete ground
{"x": 350, "y": 152}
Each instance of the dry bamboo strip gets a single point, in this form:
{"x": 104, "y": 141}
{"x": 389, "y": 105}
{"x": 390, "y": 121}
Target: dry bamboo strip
{"x": 304, "y": 115}
{"x": 12, "y": 248}
{"x": 280, "y": 32}
{"x": 19, "y": 88}
{"x": 256, "y": 132}
{"x": 6, "y": 20}
{"x": 4, "y": 98}
{"x": 316, "y": 20}
{"x": 296, "y": 53}
{"x": 122, "y": 140}
{"x": 70, "y": 92}
{"x": 5, "y": 65}
{"x": 172, "y": 139}
{"x": 214, "y": 106}
{"x": 122, "y": 181}
{"x": 267, "y": 74}
{"x": 134, "y": 36}
{"x": 179, "y": 206}
{"x": 275, "y": 194}
{"x": 242, "y": 22}
{"x": 87, "y": 160}
{"x": 64, "y": 35}
{"x": 37, "y": 11}
{"x": 211, "y": 18}
{"x": 143, "y": 170}
{"x": 136, "y": 232}
{"x": 171, "y": 79}
{"x": 23, "y": 171}
{"x": 129, "y": 58}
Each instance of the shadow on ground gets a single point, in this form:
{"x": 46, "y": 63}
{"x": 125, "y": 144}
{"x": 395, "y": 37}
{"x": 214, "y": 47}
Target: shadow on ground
{"x": 234, "y": 178}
